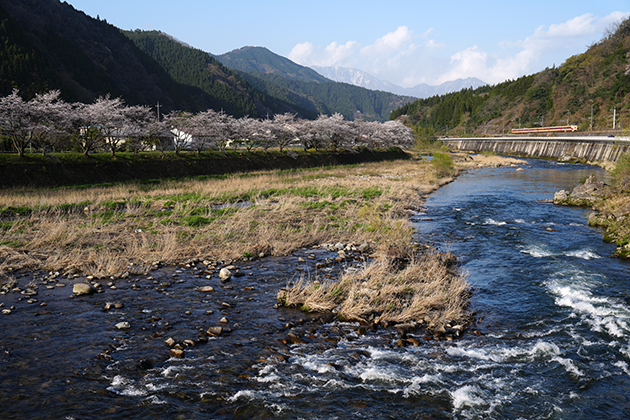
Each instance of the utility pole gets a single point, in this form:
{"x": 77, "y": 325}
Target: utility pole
{"x": 614, "y": 117}
{"x": 568, "y": 117}
{"x": 158, "y": 106}
{"x": 591, "y": 129}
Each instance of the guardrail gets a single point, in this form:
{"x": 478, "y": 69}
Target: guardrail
{"x": 540, "y": 138}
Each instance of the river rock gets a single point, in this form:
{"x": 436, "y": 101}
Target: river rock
{"x": 214, "y": 331}
{"x": 561, "y": 197}
{"x": 145, "y": 364}
{"x": 586, "y": 194}
{"x": 177, "y": 353}
{"x": 83, "y": 289}
{"x": 206, "y": 289}
{"x": 225, "y": 274}
{"x": 123, "y": 325}
{"x": 590, "y": 191}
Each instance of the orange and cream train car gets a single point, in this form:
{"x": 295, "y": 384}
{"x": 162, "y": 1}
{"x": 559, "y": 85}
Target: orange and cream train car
{"x": 556, "y": 129}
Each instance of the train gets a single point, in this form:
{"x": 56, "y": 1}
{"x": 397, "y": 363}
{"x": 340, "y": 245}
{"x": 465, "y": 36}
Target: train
{"x": 556, "y": 129}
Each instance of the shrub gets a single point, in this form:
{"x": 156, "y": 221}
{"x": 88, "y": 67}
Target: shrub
{"x": 443, "y": 164}
{"x": 622, "y": 169}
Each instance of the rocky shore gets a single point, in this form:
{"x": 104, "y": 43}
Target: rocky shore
{"x": 611, "y": 207}
{"x": 225, "y": 303}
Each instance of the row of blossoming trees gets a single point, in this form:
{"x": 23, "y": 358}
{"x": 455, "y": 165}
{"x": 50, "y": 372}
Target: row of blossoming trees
{"x": 48, "y": 123}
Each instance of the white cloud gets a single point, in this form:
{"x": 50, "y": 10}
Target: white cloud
{"x": 389, "y": 43}
{"x": 537, "y": 48}
{"x": 408, "y": 59}
{"x": 391, "y": 57}
{"x": 302, "y": 54}
{"x": 334, "y": 54}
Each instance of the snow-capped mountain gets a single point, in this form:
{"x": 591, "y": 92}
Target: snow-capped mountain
{"x": 366, "y": 80}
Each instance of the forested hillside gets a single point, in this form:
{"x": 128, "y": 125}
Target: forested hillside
{"x": 279, "y": 85}
{"x": 193, "y": 67}
{"x": 595, "y": 83}
{"x": 46, "y": 44}
{"x": 261, "y": 60}
{"x": 330, "y": 97}
{"x": 283, "y": 79}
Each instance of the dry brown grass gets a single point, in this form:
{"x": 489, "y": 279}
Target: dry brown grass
{"x": 423, "y": 290}
{"x": 107, "y": 231}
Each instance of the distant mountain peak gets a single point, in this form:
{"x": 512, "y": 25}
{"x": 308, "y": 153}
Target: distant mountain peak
{"x": 360, "y": 78}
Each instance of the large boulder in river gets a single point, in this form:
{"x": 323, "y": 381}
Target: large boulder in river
{"x": 591, "y": 191}
{"x": 586, "y": 194}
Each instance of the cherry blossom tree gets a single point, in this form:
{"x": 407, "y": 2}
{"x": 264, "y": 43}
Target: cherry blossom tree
{"x": 50, "y": 119}
{"x": 266, "y": 135}
{"x": 109, "y": 118}
{"x": 249, "y": 131}
{"x": 180, "y": 124}
{"x": 228, "y": 131}
{"x": 84, "y": 134}
{"x": 137, "y": 119}
{"x": 335, "y": 131}
{"x": 107, "y": 123}
{"x": 15, "y": 121}
{"x": 396, "y": 133}
{"x": 283, "y": 129}
{"x": 158, "y": 136}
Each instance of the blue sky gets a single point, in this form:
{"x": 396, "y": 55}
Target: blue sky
{"x": 403, "y": 42}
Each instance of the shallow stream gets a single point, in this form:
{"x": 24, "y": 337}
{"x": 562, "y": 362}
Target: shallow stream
{"x": 553, "y": 316}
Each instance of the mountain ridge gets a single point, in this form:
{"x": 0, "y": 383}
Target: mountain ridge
{"x": 281, "y": 78}
{"x": 364, "y": 79}
{"x": 262, "y": 60}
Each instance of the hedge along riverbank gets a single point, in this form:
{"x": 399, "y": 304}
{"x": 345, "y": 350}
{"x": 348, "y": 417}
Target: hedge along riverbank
{"x": 64, "y": 169}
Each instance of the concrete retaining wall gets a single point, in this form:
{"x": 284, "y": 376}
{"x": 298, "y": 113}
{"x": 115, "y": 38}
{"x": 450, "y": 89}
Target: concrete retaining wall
{"x": 603, "y": 149}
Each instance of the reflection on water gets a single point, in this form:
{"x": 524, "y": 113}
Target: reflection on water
{"x": 553, "y": 309}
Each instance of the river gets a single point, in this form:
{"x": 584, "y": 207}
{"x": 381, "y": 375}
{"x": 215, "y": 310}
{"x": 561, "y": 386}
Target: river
{"x": 552, "y": 329}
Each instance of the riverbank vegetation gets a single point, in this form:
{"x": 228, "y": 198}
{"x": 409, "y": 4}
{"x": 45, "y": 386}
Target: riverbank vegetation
{"x": 612, "y": 209}
{"x": 103, "y": 230}
{"x": 72, "y": 168}
{"x": 131, "y": 228}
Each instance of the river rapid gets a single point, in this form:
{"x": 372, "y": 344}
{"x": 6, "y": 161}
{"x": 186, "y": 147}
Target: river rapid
{"x": 552, "y": 331}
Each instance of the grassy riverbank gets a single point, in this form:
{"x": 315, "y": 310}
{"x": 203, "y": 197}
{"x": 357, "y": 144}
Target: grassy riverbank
{"x": 70, "y": 168}
{"x": 128, "y": 229}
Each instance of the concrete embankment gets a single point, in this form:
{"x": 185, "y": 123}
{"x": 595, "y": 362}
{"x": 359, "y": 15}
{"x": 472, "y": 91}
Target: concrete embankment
{"x": 601, "y": 149}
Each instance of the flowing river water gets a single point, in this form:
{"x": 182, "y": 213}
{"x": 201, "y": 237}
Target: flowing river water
{"x": 553, "y": 327}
